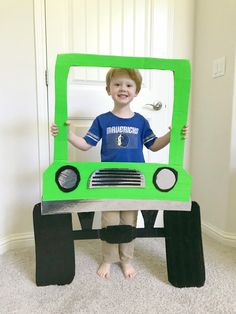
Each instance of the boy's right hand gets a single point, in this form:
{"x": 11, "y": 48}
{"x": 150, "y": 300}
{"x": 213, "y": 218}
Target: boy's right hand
{"x": 54, "y": 129}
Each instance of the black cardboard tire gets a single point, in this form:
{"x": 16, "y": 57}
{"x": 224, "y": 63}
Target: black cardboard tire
{"x": 184, "y": 251}
{"x": 54, "y": 248}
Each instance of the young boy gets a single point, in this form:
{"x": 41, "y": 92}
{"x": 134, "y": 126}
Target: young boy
{"x": 123, "y": 133}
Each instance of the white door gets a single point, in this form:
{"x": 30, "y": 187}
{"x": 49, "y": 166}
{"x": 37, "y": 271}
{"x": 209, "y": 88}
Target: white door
{"x": 110, "y": 27}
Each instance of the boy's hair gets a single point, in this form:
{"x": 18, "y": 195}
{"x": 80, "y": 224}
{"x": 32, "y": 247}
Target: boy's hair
{"x": 134, "y": 74}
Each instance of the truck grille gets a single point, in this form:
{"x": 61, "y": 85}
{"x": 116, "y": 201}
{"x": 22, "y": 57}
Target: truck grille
{"x": 116, "y": 177}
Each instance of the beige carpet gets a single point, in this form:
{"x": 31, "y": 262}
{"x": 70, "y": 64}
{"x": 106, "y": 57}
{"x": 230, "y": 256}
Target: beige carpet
{"x": 149, "y": 292}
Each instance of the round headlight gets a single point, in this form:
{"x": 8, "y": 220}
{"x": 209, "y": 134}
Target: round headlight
{"x": 67, "y": 178}
{"x": 165, "y": 179}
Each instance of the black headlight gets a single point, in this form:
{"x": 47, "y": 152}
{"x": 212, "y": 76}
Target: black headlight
{"x": 165, "y": 179}
{"x": 67, "y": 178}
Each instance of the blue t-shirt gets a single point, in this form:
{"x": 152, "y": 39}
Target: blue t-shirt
{"x": 122, "y": 138}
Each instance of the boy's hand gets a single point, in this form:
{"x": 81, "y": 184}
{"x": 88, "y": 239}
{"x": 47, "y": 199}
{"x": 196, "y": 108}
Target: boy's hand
{"x": 54, "y": 129}
{"x": 184, "y": 131}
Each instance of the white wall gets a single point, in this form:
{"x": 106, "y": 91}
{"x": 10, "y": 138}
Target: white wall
{"x": 183, "y": 35}
{"x": 183, "y": 39}
{"x": 213, "y": 127}
{"x": 19, "y": 184}
{"x": 213, "y": 162}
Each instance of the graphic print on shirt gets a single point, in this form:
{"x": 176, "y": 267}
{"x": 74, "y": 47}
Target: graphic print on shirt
{"x": 122, "y": 137}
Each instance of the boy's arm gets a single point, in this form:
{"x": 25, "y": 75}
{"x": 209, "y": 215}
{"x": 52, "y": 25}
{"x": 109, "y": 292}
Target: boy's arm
{"x": 77, "y": 141}
{"x": 164, "y": 140}
{"x": 160, "y": 142}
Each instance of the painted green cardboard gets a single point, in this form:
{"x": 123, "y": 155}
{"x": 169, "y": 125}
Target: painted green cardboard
{"x": 85, "y": 198}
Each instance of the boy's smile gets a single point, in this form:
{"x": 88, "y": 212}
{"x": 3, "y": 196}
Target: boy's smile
{"x": 122, "y": 89}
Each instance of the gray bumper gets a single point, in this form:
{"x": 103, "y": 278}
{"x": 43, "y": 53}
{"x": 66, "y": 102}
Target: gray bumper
{"x": 62, "y": 207}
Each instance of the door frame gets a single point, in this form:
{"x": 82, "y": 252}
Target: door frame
{"x": 41, "y": 85}
{"x": 41, "y": 74}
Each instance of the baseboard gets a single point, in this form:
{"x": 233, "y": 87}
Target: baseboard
{"x": 221, "y": 236}
{"x": 22, "y": 240}
{"x": 15, "y": 241}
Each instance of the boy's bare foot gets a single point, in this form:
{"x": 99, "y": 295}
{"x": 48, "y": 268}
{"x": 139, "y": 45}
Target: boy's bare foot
{"x": 128, "y": 270}
{"x": 104, "y": 270}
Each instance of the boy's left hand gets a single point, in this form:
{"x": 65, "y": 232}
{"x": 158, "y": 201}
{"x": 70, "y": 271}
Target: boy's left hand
{"x": 185, "y": 131}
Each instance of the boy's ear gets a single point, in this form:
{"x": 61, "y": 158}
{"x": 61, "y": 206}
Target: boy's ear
{"x": 108, "y": 90}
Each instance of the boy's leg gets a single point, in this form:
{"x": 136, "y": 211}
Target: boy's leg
{"x": 110, "y": 252}
{"x": 127, "y": 249}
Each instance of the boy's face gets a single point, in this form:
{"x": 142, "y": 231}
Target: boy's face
{"x": 122, "y": 89}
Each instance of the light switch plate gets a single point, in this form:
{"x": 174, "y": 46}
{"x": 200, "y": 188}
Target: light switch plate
{"x": 218, "y": 68}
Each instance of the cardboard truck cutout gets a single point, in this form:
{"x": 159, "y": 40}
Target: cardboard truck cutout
{"x": 73, "y": 186}
{"x": 85, "y": 187}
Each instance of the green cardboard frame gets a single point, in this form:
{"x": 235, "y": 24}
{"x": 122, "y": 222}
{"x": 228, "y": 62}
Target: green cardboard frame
{"x": 54, "y": 200}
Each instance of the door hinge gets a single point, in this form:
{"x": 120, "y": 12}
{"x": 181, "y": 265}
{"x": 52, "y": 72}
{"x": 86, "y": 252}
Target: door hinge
{"x": 46, "y": 77}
